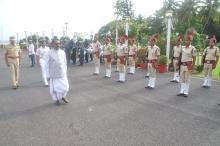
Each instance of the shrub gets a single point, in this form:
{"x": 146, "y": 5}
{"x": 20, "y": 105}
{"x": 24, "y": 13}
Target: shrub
{"x": 141, "y": 55}
{"x": 162, "y": 60}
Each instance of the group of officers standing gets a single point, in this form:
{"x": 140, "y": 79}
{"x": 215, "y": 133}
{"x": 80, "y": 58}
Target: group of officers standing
{"x": 183, "y": 60}
{"x": 53, "y": 62}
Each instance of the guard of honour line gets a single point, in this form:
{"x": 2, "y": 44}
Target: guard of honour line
{"x": 53, "y": 64}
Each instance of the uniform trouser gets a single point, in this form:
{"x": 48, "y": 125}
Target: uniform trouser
{"x": 87, "y": 57}
{"x": 97, "y": 64}
{"x": 152, "y": 75}
{"x": 108, "y": 67}
{"x": 184, "y": 79}
{"x": 117, "y": 64}
{"x": 32, "y": 57}
{"x": 73, "y": 56}
{"x": 81, "y": 58}
{"x": 132, "y": 64}
{"x": 68, "y": 56}
{"x": 122, "y": 70}
{"x": 176, "y": 70}
{"x": 44, "y": 70}
{"x": 14, "y": 68}
{"x": 91, "y": 57}
{"x": 207, "y": 74}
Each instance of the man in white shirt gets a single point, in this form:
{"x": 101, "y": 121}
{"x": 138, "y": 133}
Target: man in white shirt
{"x": 42, "y": 55}
{"x": 59, "y": 85}
{"x": 31, "y": 53}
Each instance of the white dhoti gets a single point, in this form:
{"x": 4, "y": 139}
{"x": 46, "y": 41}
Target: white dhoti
{"x": 59, "y": 88}
{"x": 44, "y": 70}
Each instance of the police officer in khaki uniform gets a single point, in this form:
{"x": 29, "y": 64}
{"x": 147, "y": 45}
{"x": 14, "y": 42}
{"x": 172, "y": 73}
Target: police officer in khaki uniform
{"x": 176, "y": 55}
{"x": 153, "y": 53}
{"x": 13, "y": 59}
{"x": 122, "y": 52}
{"x": 108, "y": 56}
{"x": 132, "y": 56}
{"x": 210, "y": 59}
{"x": 187, "y": 60}
{"x": 96, "y": 50}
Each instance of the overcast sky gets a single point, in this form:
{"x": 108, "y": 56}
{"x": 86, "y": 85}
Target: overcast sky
{"x": 86, "y": 16}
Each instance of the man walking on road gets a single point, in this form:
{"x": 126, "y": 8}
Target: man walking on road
{"x": 42, "y": 54}
{"x": 59, "y": 85}
{"x": 31, "y": 53}
{"x": 13, "y": 59}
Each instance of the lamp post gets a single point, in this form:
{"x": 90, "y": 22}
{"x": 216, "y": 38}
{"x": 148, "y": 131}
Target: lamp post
{"x": 126, "y": 28}
{"x": 66, "y": 26}
{"x": 37, "y": 40}
{"x": 17, "y": 34}
{"x": 169, "y": 14}
{"x": 116, "y": 31}
{"x": 43, "y": 33}
{"x": 63, "y": 31}
{"x": 52, "y": 33}
{"x": 26, "y": 38}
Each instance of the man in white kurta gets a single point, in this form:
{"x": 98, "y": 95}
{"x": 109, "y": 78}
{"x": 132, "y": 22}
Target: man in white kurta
{"x": 59, "y": 85}
{"x": 42, "y": 55}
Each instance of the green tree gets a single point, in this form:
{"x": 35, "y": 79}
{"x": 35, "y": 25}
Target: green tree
{"x": 124, "y": 8}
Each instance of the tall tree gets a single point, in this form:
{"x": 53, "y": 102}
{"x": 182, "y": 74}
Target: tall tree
{"x": 124, "y": 8}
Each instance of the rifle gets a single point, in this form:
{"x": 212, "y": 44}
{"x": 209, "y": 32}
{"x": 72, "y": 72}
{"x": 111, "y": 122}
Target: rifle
{"x": 204, "y": 56}
{"x": 179, "y": 62}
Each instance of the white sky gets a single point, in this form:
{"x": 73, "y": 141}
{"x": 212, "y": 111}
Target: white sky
{"x": 86, "y": 16}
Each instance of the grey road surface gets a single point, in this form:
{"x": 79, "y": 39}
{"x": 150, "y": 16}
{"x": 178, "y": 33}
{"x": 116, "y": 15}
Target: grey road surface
{"x": 103, "y": 112}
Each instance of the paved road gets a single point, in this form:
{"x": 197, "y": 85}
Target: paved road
{"x": 103, "y": 112}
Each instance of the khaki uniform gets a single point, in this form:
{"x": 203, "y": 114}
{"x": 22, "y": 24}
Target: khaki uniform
{"x": 176, "y": 55}
{"x": 152, "y": 57}
{"x": 96, "y": 51}
{"x": 122, "y": 51}
{"x": 13, "y": 55}
{"x": 186, "y": 67}
{"x": 108, "y": 59}
{"x": 210, "y": 58}
{"x": 132, "y": 58}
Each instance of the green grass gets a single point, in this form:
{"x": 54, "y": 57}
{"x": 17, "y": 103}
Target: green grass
{"x": 215, "y": 72}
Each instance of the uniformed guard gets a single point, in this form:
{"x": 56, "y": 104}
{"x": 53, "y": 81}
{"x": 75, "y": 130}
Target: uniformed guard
{"x": 108, "y": 56}
{"x": 13, "y": 60}
{"x": 122, "y": 52}
{"x": 176, "y": 55}
{"x": 210, "y": 59}
{"x": 153, "y": 53}
{"x": 187, "y": 61}
{"x": 96, "y": 50}
{"x": 132, "y": 56}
